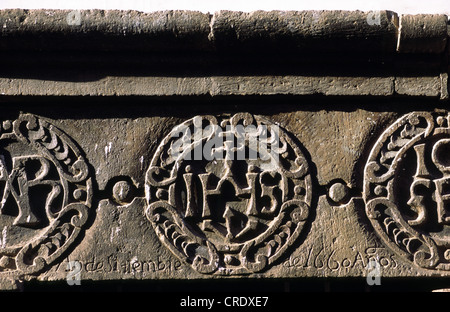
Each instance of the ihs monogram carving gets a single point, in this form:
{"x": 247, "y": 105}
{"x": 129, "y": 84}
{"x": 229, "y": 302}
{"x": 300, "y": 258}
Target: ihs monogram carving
{"x": 45, "y": 193}
{"x": 228, "y": 194}
{"x": 406, "y": 188}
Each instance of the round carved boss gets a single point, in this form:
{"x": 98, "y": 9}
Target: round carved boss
{"x": 45, "y": 193}
{"x": 228, "y": 194}
{"x": 407, "y": 188}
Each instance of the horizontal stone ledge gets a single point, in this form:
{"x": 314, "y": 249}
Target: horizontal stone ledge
{"x": 297, "y": 31}
{"x": 429, "y": 86}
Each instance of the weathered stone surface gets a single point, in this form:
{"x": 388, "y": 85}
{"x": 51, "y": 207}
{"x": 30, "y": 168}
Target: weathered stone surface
{"x": 121, "y": 243}
{"x": 419, "y": 86}
{"x": 226, "y": 86}
{"x": 304, "y": 31}
{"x": 219, "y": 165}
{"x": 422, "y": 33}
{"x": 87, "y": 30}
{"x": 299, "y": 31}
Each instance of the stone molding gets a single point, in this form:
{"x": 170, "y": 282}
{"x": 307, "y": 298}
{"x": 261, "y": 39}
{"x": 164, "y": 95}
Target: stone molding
{"x": 105, "y": 112}
{"x": 299, "y": 31}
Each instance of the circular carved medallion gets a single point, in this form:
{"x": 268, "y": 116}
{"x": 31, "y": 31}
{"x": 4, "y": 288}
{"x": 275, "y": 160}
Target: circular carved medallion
{"x": 45, "y": 193}
{"x": 407, "y": 188}
{"x": 228, "y": 194}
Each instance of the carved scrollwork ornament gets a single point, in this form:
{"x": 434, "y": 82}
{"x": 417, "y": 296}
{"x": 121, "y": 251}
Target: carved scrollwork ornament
{"x": 228, "y": 194}
{"x": 45, "y": 193}
{"x": 407, "y": 188}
